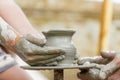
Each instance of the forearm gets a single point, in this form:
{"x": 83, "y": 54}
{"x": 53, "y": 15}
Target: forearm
{"x": 14, "y": 16}
{"x": 8, "y": 36}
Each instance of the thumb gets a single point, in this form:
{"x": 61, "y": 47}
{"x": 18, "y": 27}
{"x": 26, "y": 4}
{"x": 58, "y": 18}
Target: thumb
{"x": 37, "y": 39}
{"x": 108, "y": 54}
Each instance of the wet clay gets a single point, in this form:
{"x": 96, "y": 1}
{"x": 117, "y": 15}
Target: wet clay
{"x": 62, "y": 39}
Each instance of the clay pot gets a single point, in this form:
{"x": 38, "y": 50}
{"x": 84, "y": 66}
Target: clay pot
{"x": 62, "y": 39}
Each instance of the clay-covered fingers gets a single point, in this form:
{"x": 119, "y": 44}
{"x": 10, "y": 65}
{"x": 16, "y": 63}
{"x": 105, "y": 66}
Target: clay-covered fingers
{"x": 55, "y": 61}
{"x": 32, "y": 58}
{"x": 37, "y": 55}
{"x": 96, "y": 59}
{"x": 27, "y": 48}
{"x": 36, "y": 50}
{"x": 53, "y": 50}
{"x": 47, "y": 62}
{"x": 38, "y": 39}
{"x": 106, "y": 57}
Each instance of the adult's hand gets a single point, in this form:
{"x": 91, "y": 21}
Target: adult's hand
{"x": 29, "y": 46}
{"x": 93, "y": 74}
{"x": 110, "y": 67}
{"x": 29, "y": 49}
{"x": 111, "y": 61}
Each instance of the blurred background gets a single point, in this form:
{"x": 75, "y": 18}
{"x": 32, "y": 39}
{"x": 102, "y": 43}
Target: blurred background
{"x": 83, "y": 16}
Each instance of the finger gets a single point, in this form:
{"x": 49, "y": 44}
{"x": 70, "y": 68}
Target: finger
{"x": 108, "y": 54}
{"x": 45, "y": 62}
{"x": 37, "y": 39}
{"x": 96, "y": 59}
{"x": 52, "y": 63}
{"x": 33, "y": 58}
{"x": 53, "y": 50}
{"x": 33, "y": 49}
{"x": 26, "y": 48}
{"x": 45, "y": 51}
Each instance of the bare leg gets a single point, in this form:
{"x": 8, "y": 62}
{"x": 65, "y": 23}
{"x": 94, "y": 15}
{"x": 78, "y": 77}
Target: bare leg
{"x": 15, "y": 73}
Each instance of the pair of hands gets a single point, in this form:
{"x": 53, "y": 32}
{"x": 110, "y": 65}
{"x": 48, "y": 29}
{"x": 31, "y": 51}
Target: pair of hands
{"x": 108, "y": 67}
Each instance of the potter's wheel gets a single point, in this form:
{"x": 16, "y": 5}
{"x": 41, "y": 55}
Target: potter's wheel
{"x": 58, "y": 67}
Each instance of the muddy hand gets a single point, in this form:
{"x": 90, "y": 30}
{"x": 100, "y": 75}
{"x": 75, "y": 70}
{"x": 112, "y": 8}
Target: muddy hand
{"x": 111, "y": 59}
{"x": 107, "y": 57}
{"x": 29, "y": 47}
{"x": 112, "y": 66}
{"x": 108, "y": 71}
{"x": 36, "y": 55}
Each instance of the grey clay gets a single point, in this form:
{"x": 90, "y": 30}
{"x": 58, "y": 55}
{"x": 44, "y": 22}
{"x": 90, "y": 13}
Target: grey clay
{"x": 62, "y": 39}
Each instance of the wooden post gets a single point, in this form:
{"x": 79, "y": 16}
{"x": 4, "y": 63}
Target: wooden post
{"x": 105, "y": 25}
{"x": 59, "y": 74}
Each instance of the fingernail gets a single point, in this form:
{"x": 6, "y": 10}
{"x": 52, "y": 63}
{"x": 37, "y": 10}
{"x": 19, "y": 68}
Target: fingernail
{"x": 102, "y": 75}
